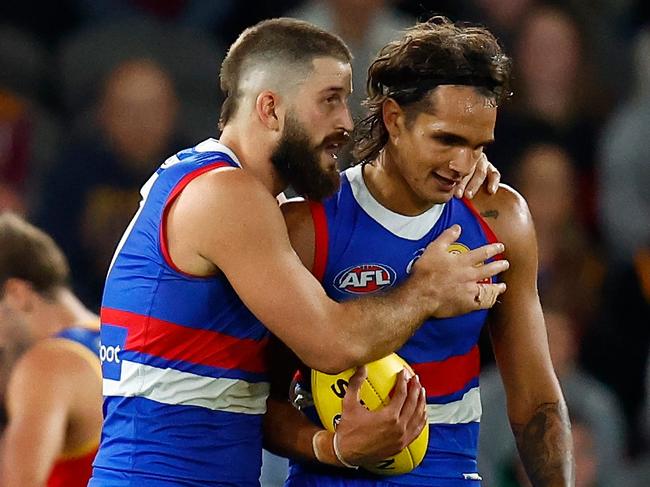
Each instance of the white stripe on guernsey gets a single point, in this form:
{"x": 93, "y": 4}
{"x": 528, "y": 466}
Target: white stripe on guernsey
{"x": 174, "y": 387}
{"x": 466, "y": 410}
{"x": 408, "y": 227}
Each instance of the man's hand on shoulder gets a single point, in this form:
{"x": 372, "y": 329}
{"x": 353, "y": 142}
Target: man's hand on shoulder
{"x": 485, "y": 176}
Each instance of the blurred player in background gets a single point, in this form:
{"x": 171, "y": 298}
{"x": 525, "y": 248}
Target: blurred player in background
{"x": 207, "y": 260}
{"x": 53, "y": 396}
{"x": 433, "y": 98}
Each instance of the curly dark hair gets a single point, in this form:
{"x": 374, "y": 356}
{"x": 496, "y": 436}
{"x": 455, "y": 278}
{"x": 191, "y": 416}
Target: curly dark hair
{"x": 430, "y": 54}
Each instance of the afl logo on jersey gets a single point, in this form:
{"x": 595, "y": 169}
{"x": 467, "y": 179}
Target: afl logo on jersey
{"x": 365, "y": 278}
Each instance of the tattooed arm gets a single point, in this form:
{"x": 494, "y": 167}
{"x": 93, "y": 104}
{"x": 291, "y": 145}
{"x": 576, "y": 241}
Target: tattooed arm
{"x": 544, "y": 445}
{"x": 536, "y": 408}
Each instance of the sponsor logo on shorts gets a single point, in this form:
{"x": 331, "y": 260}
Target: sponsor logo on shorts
{"x": 113, "y": 339}
{"x": 365, "y": 278}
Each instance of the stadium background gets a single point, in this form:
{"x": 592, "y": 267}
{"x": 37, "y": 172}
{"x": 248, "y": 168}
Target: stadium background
{"x": 95, "y": 93}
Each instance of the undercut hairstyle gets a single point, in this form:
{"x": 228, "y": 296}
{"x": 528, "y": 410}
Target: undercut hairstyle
{"x": 429, "y": 54}
{"x": 288, "y": 44}
{"x": 30, "y": 254}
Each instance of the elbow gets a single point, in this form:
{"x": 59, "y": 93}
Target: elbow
{"x": 333, "y": 358}
{"x": 331, "y": 367}
{"x": 331, "y": 364}
{"x": 332, "y": 349}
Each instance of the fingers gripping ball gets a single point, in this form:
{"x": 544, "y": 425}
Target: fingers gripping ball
{"x": 328, "y": 392}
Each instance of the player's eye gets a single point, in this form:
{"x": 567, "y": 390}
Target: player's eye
{"x": 446, "y": 139}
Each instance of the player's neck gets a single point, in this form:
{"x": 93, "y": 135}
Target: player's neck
{"x": 63, "y": 311}
{"x": 387, "y": 185}
{"x": 253, "y": 154}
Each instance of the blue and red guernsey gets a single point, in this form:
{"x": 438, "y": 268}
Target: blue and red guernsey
{"x": 361, "y": 248}
{"x": 183, "y": 366}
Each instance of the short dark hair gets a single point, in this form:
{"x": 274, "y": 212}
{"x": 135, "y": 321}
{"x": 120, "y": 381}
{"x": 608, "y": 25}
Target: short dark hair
{"x": 429, "y": 54}
{"x": 30, "y": 254}
{"x": 284, "y": 41}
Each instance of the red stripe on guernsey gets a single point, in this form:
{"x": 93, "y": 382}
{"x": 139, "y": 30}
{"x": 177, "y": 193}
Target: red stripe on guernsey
{"x": 180, "y": 186}
{"x": 321, "y": 239}
{"x": 449, "y": 375}
{"x": 175, "y": 342}
{"x": 489, "y": 234}
{"x": 74, "y": 472}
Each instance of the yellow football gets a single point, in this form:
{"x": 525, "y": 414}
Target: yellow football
{"x": 328, "y": 392}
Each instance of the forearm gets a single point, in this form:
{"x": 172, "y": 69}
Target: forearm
{"x": 545, "y": 446}
{"x": 288, "y": 433}
{"x": 380, "y": 325}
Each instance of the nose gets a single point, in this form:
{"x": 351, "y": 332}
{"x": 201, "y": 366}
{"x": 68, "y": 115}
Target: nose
{"x": 345, "y": 119}
{"x": 463, "y": 161}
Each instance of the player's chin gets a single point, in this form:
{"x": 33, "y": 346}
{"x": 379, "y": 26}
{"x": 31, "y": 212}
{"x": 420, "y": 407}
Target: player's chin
{"x": 438, "y": 196}
{"x": 328, "y": 162}
{"x": 446, "y": 196}
{"x": 323, "y": 185}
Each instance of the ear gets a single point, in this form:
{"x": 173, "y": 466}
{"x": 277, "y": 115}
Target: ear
{"x": 267, "y": 105}
{"x": 20, "y": 294}
{"x": 394, "y": 118}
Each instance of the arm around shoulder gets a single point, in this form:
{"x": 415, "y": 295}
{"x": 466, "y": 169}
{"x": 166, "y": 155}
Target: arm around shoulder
{"x": 235, "y": 225}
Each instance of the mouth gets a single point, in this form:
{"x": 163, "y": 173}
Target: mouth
{"x": 333, "y": 150}
{"x": 333, "y": 145}
{"x": 446, "y": 184}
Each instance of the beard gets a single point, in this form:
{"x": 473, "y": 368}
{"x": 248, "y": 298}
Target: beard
{"x": 298, "y": 162}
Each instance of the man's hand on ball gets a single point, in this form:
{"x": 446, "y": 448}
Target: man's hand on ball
{"x": 366, "y": 437}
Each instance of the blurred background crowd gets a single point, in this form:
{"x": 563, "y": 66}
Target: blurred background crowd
{"x": 94, "y": 94}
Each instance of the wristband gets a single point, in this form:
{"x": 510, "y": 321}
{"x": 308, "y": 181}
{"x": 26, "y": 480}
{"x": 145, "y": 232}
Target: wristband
{"x": 339, "y": 457}
{"x": 314, "y": 446}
